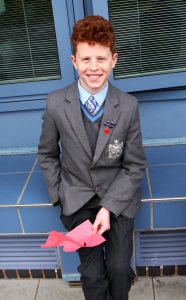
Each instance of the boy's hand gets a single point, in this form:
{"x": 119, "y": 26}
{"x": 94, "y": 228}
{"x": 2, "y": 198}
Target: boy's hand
{"x": 102, "y": 221}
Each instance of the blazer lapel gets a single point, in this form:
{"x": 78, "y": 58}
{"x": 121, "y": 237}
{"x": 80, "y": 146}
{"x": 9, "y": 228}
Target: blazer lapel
{"x": 111, "y": 114}
{"x": 73, "y": 112}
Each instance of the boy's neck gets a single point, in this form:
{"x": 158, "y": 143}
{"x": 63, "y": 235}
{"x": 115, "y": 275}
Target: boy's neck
{"x": 91, "y": 92}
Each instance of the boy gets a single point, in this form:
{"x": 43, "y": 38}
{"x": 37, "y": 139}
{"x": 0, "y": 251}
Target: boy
{"x": 97, "y": 173}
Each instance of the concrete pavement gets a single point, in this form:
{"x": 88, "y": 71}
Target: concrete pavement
{"x": 145, "y": 288}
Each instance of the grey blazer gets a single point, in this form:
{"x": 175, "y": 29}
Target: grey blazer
{"x": 73, "y": 174}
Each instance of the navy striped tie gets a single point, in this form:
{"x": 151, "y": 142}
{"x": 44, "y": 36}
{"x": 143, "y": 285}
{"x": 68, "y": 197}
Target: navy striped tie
{"x": 92, "y": 105}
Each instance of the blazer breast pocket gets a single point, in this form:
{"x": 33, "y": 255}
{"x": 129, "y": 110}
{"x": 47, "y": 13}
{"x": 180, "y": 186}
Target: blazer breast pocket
{"x": 114, "y": 150}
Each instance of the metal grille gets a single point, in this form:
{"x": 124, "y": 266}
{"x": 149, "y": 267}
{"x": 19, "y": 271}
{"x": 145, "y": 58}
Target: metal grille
{"x": 28, "y": 48}
{"x": 161, "y": 248}
{"x": 150, "y": 36}
{"x": 24, "y": 252}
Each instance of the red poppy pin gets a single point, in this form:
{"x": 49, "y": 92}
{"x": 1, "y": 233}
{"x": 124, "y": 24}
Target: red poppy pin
{"x": 106, "y": 130}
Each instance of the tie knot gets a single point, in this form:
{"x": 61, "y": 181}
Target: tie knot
{"x": 92, "y": 105}
{"x": 91, "y": 98}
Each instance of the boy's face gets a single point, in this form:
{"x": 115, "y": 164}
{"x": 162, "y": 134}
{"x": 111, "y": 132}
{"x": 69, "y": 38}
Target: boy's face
{"x": 94, "y": 64}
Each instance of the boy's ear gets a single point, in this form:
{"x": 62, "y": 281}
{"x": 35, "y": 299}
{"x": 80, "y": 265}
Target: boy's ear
{"x": 115, "y": 55}
{"x": 114, "y": 59}
{"x": 73, "y": 60}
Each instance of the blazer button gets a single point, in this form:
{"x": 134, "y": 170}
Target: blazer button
{"x": 98, "y": 188}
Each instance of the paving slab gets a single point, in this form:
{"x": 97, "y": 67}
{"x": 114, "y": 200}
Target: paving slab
{"x": 57, "y": 289}
{"x": 145, "y": 288}
{"x": 142, "y": 289}
{"x": 166, "y": 288}
{"x": 14, "y": 289}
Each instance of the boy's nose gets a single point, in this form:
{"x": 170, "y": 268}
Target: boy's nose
{"x": 94, "y": 65}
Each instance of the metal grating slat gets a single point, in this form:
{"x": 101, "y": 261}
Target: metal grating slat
{"x": 150, "y": 36}
{"x": 24, "y": 252}
{"x": 161, "y": 248}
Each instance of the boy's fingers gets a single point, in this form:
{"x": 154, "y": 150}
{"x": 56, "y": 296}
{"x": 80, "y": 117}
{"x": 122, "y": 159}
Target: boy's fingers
{"x": 96, "y": 226}
{"x": 102, "y": 229}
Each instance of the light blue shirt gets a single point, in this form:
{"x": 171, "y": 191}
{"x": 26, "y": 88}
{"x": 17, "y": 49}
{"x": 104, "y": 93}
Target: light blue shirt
{"x": 84, "y": 95}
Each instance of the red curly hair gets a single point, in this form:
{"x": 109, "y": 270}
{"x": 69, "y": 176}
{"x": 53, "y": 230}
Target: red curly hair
{"x": 93, "y": 29}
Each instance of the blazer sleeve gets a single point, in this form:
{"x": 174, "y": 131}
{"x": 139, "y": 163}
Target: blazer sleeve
{"x": 126, "y": 185}
{"x": 49, "y": 154}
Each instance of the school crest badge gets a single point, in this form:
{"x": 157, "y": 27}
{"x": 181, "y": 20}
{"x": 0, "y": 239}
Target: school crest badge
{"x": 115, "y": 149}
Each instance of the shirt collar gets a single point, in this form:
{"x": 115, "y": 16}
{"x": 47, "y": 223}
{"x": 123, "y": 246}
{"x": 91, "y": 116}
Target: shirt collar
{"x": 84, "y": 95}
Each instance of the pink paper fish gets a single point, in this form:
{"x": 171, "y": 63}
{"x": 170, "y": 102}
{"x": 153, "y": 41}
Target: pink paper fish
{"x": 81, "y": 236}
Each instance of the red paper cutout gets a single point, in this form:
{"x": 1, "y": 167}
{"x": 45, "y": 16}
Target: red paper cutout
{"x": 81, "y": 236}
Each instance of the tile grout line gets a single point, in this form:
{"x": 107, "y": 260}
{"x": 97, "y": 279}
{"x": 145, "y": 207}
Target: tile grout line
{"x": 149, "y": 182}
{"x": 37, "y": 288}
{"x": 153, "y": 289}
{"x": 151, "y": 195}
{"x": 17, "y": 172}
{"x": 25, "y": 185}
{"x": 21, "y": 195}
{"x": 167, "y": 164}
{"x": 20, "y": 220}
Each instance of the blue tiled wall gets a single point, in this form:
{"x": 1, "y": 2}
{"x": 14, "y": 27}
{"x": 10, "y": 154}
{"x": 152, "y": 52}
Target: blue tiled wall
{"x": 167, "y": 173}
{"x": 21, "y": 182}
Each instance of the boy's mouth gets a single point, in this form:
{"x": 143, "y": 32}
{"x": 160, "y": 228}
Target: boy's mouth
{"x": 94, "y": 76}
